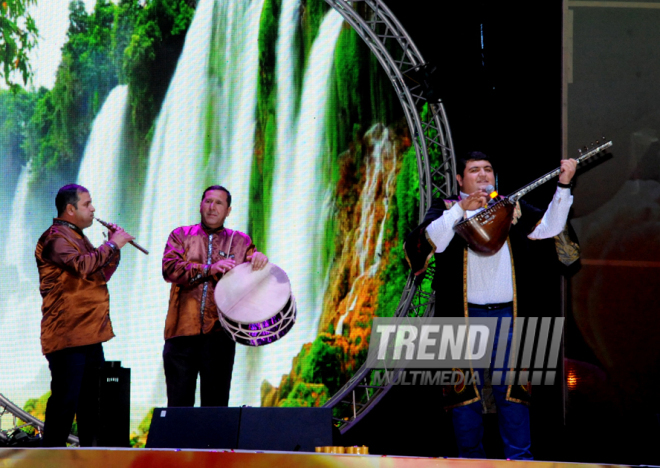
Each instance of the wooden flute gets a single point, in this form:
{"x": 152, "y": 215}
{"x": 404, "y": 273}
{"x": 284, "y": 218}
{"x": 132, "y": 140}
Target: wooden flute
{"x": 133, "y": 243}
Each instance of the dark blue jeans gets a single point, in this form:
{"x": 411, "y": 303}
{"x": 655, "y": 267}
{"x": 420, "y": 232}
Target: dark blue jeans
{"x": 74, "y": 392}
{"x": 513, "y": 418}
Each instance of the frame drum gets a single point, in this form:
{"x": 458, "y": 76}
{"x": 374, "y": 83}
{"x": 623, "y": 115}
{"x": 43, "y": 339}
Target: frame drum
{"x": 256, "y": 307}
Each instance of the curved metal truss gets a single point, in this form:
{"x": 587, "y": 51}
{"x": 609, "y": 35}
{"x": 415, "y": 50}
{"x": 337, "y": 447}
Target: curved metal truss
{"x": 404, "y": 65}
{"x": 22, "y": 419}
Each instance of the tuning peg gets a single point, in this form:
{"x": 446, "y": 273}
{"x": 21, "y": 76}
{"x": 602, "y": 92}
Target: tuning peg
{"x": 580, "y": 150}
{"x": 597, "y": 141}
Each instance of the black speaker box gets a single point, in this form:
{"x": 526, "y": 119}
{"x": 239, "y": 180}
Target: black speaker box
{"x": 113, "y": 428}
{"x": 285, "y": 429}
{"x": 278, "y": 429}
{"x": 194, "y": 428}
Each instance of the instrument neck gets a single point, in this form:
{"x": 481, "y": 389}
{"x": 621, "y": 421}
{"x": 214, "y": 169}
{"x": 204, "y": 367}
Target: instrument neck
{"x": 514, "y": 197}
{"x": 537, "y": 183}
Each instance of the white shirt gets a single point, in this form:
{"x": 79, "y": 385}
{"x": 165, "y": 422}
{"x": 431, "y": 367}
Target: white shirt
{"x": 489, "y": 279}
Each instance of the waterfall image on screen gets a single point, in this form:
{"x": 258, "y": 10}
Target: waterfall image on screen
{"x": 281, "y": 102}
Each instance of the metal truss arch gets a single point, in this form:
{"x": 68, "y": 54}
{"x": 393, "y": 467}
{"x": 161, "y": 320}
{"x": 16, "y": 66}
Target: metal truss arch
{"x": 22, "y": 419}
{"x": 430, "y": 134}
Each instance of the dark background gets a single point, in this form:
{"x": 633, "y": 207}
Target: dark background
{"x": 504, "y": 98}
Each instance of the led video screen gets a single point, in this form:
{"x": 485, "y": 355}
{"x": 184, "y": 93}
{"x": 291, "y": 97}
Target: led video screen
{"x": 281, "y": 102}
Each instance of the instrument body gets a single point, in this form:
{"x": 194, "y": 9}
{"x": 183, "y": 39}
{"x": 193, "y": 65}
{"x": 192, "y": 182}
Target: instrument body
{"x": 256, "y": 307}
{"x": 487, "y": 231}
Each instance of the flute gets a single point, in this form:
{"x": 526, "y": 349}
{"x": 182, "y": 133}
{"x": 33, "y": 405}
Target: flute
{"x": 133, "y": 243}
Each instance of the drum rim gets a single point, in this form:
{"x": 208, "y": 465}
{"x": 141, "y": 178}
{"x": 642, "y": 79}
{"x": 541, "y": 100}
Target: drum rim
{"x": 287, "y": 318}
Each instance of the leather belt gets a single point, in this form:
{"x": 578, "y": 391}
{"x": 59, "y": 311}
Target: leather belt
{"x": 499, "y": 305}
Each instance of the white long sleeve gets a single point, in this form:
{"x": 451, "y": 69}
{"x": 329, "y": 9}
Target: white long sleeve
{"x": 489, "y": 278}
{"x": 441, "y": 230}
{"x": 555, "y": 216}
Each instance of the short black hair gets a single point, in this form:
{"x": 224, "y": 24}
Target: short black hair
{"x": 218, "y": 187}
{"x": 471, "y": 156}
{"x": 68, "y": 195}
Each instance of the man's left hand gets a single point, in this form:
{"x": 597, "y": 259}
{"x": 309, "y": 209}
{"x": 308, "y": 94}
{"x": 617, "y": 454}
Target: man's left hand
{"x": 258, "y": 260}
{"x": 567, "y": 167}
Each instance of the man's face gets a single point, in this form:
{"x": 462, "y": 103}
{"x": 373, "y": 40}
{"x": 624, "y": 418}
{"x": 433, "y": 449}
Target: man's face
{"x": 476, "y": 176}
{"x": 214, "y": 208}
{"x": 83, "y": 211}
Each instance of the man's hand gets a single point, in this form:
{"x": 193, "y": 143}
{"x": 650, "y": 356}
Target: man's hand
{"x": 222, "y": 266}
{"x": 119, "y": 237}
{"x": 258, "y": 260}
{"x": 474, "y": 201}
{"x": 568, "y": 168}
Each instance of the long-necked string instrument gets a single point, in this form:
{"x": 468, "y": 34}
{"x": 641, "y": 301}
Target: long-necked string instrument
{"x": 133, "y": 243}
{"x": 486, "y": 231}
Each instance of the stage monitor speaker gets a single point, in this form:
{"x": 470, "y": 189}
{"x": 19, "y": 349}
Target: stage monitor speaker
{"x": 285, "y": 429}
{"x": 113, "y": 428}
{"x": 194, "y": 428}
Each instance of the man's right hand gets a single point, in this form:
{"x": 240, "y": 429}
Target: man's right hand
{"x": 222, "y": 266}
{"x": 474, "y": 201}
{"x": 120, "y": 237}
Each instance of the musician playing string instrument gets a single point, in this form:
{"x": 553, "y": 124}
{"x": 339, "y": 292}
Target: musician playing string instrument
{"x": 501, "y": 285}
{"x": 73, "y": 277}
{"x": 195, "y": 259}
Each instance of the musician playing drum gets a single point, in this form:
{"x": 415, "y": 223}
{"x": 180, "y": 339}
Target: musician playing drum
{"x": 195, "y": 259}
{"x": 473, "y": 285}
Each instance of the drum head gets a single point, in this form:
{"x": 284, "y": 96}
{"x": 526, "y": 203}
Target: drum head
{"x": 245, "y": 295}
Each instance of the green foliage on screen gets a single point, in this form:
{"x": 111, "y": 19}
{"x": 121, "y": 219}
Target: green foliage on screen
{"x": 18, "y": 36}
{"x": 404, "y": 218}
{"x": 263, "y": 163}
{"x": 160, "y": 25}
{"x": 16, "y": 109}
{"x": 61, "y": 123}
{"x": 112, "y": 44}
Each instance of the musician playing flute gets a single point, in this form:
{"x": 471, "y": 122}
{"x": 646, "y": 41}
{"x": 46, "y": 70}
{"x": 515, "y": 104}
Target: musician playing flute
{"x": 73, "y": 278}
{"x": 195, "y": 259}
{"x": 502, "y": 285}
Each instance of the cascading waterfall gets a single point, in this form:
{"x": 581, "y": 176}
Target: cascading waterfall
{"x": 382, "y": 171}
{"x": 247, "y": 375}
{"x": 296, "y": 228}
{"x": 181, "y": 165}
{"x": 20, "y": 305}
{"x": 15, "y": 254}
{"x": 233, "y": 91}
{"x": 381, "y": 174}
{"x": 99, "y": 170}
{"x": 174, "y": 175}
{"x": 286, "y": 89}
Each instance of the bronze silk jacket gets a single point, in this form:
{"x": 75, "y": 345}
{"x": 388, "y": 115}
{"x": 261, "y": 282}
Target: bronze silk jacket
{"x": 73, "y": 278}
{"x": 189, "y": 252}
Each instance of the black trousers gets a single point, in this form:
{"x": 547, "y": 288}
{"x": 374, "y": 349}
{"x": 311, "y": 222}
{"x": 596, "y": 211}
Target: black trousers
{"x": 210, "y": 356}
{"x": 74, "y": 392}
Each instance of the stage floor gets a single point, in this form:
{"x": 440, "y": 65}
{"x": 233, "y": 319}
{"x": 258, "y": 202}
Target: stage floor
{"x": 166, "y": 458}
